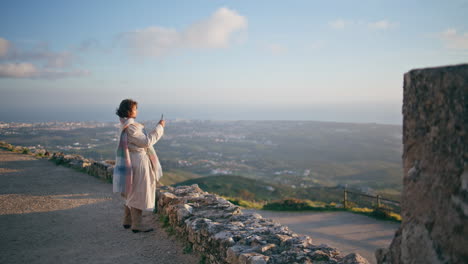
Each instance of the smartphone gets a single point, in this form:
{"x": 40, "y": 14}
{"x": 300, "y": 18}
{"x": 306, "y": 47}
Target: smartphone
{"x": 162, "y": 116}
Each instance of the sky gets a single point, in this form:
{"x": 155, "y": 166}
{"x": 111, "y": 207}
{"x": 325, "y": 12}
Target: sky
{"x": 277, "y": 60}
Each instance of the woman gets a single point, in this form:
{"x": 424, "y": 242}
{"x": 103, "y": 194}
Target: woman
{"x": 137, "y": 167}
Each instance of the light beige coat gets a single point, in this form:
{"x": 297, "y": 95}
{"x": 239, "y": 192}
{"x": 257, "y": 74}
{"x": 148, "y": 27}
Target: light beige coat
{"x": 142, "y": 195}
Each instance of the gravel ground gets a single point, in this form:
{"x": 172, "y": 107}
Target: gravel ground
{"x": 54, "y": 214}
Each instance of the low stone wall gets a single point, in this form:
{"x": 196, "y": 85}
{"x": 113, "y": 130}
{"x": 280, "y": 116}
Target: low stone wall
{"x": 223, "y": 234}
{"x": 100, "y": 169}
{"x": 19, "y": 149}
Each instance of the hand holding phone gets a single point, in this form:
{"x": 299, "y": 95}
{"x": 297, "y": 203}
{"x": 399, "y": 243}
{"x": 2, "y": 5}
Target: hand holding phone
{"x": 162, "y": 122}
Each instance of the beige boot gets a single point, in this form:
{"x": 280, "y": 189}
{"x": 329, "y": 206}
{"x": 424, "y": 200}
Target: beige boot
{"x": 136, "y": 221}
{"x": 127, "y": 219}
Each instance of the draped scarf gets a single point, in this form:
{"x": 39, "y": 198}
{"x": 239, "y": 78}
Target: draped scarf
{"x": 123, "y": 174}
{"x": 156, "y": 166}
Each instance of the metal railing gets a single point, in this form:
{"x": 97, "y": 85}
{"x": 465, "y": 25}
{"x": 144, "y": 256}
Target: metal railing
{"x": 378, "y": 201}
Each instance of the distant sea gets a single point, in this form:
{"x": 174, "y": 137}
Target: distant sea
{"x": 358, "y": 113}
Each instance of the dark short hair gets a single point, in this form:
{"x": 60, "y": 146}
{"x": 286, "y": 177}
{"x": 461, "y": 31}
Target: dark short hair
{"x": 125, "y": 108}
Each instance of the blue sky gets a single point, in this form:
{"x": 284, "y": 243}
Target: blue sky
{"x": 318, "y": 60}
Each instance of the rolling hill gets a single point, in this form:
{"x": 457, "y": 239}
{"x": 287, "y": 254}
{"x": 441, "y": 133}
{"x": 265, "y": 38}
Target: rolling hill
{"x": 249, "y": 189}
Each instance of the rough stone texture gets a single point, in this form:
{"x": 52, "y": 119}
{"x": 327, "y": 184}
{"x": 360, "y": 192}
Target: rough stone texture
{"x": 220, "y": 231}
{"x": 101, "y": 169}
{"x": 434, "y": 227}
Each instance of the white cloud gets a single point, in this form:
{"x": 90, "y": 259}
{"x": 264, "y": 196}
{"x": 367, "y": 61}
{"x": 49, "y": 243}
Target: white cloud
{"x": 376, "y": 25}
{"x": 88, "y": 45}
{"x": 4, "y": 47}
{"x": 40, "y": 54}
{"x": 58, "y": 60}
{"x": 152, "y": 41}
{"x": 60, "y": 74}
{"x": 317, "y": 45}
{"x": 29, "y": 70}
{"x": 338, "y": 24}
{"x": 276, "y": 49}
{"x": 18, "y": 70}
{"x": 382, "y": 25}
{"x": 38, "y": 62}
{"x": 214, "y": 32}
{"x": 450, "y": 32}
{"x": 454, "y": 40}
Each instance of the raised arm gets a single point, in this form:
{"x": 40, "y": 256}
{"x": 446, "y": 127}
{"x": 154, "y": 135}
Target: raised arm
{"x": 137, "y": 137}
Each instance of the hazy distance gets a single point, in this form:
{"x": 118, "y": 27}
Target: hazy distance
{"x": 349, "y": 113}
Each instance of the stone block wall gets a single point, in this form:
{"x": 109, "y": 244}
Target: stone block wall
{"x": 100, "y": 169}
{"x": 223, "y": 234}
{"x": 434, "y": 226}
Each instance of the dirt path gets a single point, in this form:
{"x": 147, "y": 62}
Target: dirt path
{"x": 346, "y": 231}
{"x": 53, "y": 214}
